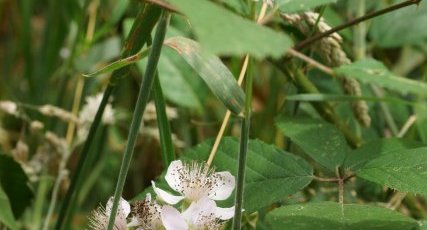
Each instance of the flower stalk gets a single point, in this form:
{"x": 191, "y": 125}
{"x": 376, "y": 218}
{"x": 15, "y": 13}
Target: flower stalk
{"x": 143, "y": 97}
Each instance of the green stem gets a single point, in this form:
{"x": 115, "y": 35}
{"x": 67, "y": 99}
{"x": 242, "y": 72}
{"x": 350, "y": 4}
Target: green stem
{"x": 168, "y": 151}
{"x": 244, "y": 139}
{"x": 42, "y": 189}
{"x": 141, "y": 29}
{"x": 143, "y": 96}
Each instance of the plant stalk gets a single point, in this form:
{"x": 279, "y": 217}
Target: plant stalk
{"x": 244, "y": 139}
{"x": 143, "y": 97}
{"x": 166, "y": 143}
{"x": 144, "y": 23}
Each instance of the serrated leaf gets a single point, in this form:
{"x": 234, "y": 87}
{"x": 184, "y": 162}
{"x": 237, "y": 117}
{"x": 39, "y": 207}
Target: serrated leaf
{"x": 210, "y": 68}
{"x": 403, "y": 170}
{"x": 392, "y": 30}
{"x": 372, "y": 71}
{"x": 224, "y": 33}
{"x": 6, "y": 215}
{"x": 271, "y": 174}
{"x": 293, "y": 6}
{"x": 14, "y": 182}
{"x": 320, "y": 140}
{"x": 357, "y": 158}
{"x": 330, "y": 215}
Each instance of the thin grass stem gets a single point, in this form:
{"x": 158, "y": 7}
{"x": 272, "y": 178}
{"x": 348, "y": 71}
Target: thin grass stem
{"x": 143, "y": 97}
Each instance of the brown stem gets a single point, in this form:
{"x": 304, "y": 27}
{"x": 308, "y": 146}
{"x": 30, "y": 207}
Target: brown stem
{"x": 321, "y": 179}
{"x": 340, "y": 186}
{"x": 319, "y": 36}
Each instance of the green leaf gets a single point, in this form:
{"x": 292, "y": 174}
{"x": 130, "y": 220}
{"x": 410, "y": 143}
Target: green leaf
{"x": 330, "y": 215}
{"x": 271, "y": 174}
{"x": 400, "y": 27}
{"x": 14, "y": 182}
{"x": 224, "y": 33}
{"x": 320, "y": 140}
{"x": 293, "y": 6}
{"x": 6, "y": 215}
{"x": 210, "y": 68}
{"x": 372, "y": 71}
{"x": 403, "y": 170}
{"x": 119, "y": 63}
{"x": 343, "y": 97}
{"x": 359, "y": 157}
{"x": 177, "y": 79}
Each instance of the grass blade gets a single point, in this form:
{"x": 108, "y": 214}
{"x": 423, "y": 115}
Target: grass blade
{"x": 143, "y": 96}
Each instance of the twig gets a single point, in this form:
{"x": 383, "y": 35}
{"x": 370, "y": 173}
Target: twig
{"x": 406, "y": 126}
{"x": 319, "y": 36}
{"x": 321, "y": 179}
{"x": 312, "y": 62}
{"x": 340, "y": 187}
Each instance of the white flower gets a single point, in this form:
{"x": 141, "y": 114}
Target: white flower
{"x": 100, "y": 217}
{"x": 146, "y": 215}
{"x": 195, "y": 181}
{"x": 202, "y": 214}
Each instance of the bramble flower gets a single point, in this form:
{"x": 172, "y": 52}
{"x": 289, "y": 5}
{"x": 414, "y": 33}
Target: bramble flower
{"x": 202, "y": 214}
{"x": 195, "y": 181}
{"x": 146, "y": 215}
{"x": 100, "y": 217}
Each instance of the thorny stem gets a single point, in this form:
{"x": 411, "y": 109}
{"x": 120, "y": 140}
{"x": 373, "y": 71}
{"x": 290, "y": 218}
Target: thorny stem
{"x": 143, "y": 97}
{"x": 355, "y": 21}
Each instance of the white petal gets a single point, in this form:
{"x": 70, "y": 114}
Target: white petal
{"x": 172, "y": 219}
{"x": 203, "y": 207}
{"x": 224, "y": 213}
{"x": 173, "y": 174}
{"x": 123, "y": 210}
{"x": 165, "y": 196}
{"x": 134, "y": 222}
{"x": 224, "y": 186}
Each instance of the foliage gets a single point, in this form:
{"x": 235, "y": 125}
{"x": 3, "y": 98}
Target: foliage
{"x": 254, "y": 88}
